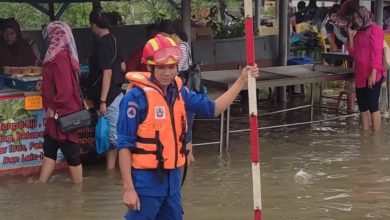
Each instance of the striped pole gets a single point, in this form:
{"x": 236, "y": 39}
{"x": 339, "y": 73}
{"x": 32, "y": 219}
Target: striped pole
{"x": 250, "y": 60}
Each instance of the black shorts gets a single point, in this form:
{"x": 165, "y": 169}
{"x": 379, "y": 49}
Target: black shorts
{"x": 68, "y": 149}
{"x": 368, "y": 98}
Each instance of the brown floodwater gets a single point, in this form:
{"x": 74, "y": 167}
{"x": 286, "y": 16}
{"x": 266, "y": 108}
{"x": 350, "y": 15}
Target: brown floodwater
{"x": 347, "y": 177}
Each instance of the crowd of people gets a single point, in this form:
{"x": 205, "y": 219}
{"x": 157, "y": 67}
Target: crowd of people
{"x": 150, "y": 125}
{"x": 323, "y": 19}
{"x": 351, "y": 26}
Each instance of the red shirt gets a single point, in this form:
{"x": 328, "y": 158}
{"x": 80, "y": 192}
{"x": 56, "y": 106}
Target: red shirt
{"x": 60, "y": 93}
{"x": 133, "y": 63}
{"x": 367, "y": 53}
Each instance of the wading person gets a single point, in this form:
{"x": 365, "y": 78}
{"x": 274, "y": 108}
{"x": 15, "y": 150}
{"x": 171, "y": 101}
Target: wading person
{"x": 366, "y": 48}
{"x": 106, "y": 67}
{"x": 152, "y": 128}
{"x": 61, "y": 96}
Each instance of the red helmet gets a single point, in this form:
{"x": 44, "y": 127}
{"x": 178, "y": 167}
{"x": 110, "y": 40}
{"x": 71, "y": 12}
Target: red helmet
{"x": 161, "y": 50}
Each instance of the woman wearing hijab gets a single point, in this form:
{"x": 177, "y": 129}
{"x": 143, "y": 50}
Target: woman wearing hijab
{"x": 15, "y": 51}
{"x": 366, "y": 48}
{"x": 61, "y": 96}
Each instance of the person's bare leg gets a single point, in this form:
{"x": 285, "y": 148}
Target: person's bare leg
{"x": 339, "y": 100}
{"x": 111, "y": 159}
{"x": 351, "y": 97}
{"x": 365, "y": 120}
{"x": 76, "y": 172}
{"x": 376, "y": 121}
{"x": 47, "y": 169}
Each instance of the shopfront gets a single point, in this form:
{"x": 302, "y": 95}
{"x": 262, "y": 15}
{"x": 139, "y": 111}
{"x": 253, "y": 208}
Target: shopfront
{"x": 22, "y": 124}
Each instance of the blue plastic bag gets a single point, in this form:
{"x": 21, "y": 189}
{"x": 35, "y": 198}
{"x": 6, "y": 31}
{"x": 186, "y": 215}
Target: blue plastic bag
{"x": 299, "y": 60}
{"x": 102, "y": 132}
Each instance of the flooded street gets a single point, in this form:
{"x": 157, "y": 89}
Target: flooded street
{"x": 347, "y": 176}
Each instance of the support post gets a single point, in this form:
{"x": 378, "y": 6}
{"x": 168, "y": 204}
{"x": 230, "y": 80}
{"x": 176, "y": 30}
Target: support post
{"x": 186, "y": 17}
{"x": 40, "y": 8}
{"x": 52, "y": 14}
{"x": 379, "y": 12}
{"x": 283, "y": 43}
{"x": 62, "y": 9}
{"x": 257, "y": 17}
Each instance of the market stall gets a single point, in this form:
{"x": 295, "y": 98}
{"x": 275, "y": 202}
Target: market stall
{"x": 22, "y": 120}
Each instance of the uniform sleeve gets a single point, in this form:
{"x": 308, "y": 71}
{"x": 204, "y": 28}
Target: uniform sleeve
{"x": 130, "y": 115}
{"x": 376, "y": 41}
{"x": 198, "y": 103}
{"x": 104, "y": 56}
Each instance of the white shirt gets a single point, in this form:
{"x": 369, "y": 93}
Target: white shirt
{"x": 185, "y": 61}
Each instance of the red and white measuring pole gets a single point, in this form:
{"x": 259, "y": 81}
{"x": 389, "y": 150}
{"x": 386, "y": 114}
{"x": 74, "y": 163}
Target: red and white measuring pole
{"x": 250, "y": 60}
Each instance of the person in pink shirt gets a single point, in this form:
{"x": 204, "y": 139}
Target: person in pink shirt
{"x": 366, "y": 48}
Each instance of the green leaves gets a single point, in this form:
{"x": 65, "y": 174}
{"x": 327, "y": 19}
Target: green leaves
{"x": 77, "y": 14}
{"x": 28, "y": 17}
{"x": 232, "y": 30}
{"x": 14, "y": 110}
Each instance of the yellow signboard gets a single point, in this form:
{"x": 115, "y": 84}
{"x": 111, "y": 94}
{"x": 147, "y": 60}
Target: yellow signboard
{"x": 33, "y": 103}
{"x": 387, "y": 38}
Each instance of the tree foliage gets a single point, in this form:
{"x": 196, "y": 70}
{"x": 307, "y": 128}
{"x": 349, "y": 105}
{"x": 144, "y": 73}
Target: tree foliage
{"x": 131, "y": 11}
{"x": 25, "y": 14}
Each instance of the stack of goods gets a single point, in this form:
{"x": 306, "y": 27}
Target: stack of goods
{"x": 23, "y": 78}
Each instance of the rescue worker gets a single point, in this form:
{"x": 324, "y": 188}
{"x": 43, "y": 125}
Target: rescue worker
{"x": 151, "y": 131}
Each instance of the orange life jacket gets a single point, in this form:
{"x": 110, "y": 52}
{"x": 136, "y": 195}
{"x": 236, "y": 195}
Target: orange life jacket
{"x": 160, "y": 140}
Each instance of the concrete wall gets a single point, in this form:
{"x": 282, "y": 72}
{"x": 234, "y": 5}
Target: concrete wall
{"x": 214, "y": 54}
